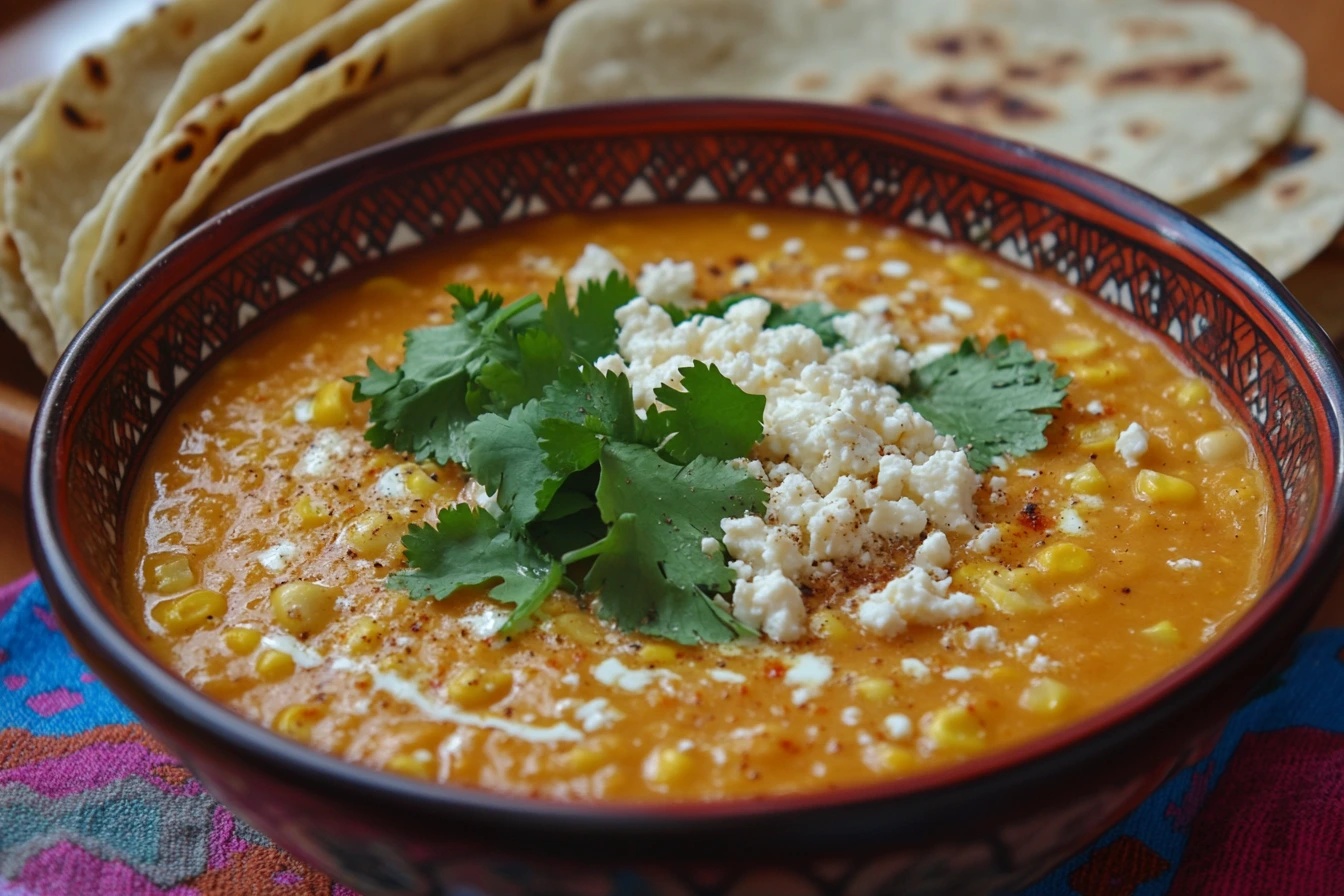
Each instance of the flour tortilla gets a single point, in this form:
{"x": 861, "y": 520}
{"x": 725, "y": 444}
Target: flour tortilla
{"x": 88, "y": 123}
{"x": 1289, "y": 207}
{"x": 18, "y": 308}
{"x": 509, "y": 98}
{"x": 432, "y": 37}
{"x": 217, "y": 65}
{"x": 406, "y": 108}
{"x": 1176, "y": 98}
{"x": 154, "y": 181}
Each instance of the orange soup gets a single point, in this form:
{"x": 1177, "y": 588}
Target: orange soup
{"x": 762, "y": 502}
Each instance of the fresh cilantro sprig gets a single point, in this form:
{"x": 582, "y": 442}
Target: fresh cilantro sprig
{"x": 992, "y": 402}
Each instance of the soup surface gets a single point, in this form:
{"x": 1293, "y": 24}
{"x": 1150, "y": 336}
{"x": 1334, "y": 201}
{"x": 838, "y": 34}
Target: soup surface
{"x": 880, "y": 597}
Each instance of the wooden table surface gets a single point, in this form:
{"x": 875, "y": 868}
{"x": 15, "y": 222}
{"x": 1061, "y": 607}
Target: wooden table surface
{"x": 37, "y": 36}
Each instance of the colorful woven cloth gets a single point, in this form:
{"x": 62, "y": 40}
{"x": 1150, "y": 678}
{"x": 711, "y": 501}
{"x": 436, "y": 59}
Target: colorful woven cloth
{"x": 90, "y": 804}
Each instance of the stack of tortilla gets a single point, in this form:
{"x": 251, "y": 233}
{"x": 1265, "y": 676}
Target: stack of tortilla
{"x": 209, "y": 101}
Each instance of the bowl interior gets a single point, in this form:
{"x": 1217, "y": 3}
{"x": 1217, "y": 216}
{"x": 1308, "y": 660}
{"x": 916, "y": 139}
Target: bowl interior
{"x": 1204, "y": 301}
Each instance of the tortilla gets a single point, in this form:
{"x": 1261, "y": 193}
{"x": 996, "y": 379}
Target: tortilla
{"x": 154, "y": 181}
{"x": 217, "y": 65}
{"x": 1176, "y": 98}
{"x": 509, "y": 98}
{"x": 414, "y": 44}
{"x": 87, "y": 124}
{"x": 18, "y": 308}
{"x": 1289, "y": 207}
{"x": 406, "y": 108}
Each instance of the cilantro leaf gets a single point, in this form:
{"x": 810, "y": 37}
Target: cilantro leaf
{"x": 513, "y": 380}
{"x": 709, "y": 415}
{"x": 991, "y": 402}
{"x": 589, "y": 328}
{"x": 650, "y": 570}
{"x": 468, "y": 549}
{"x": 816, "y": 316}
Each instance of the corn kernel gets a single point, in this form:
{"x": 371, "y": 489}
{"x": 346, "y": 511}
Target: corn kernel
{"x": 1076, "y": 349}
{"x": 587, "y": 758}
{"x": 1164, "y": 633}
{"x": 193, "y": 610}
{"x": 668, "y": 765}
{"x": 658, "y": 654}
{"x": 877, "y": 690}
{"x": 303, "y": 608}
{"x": 331, "y": 404}
{"x": 1079, "y": 593}
{"x": 1014, "y": 593}
{"x": 581, "y": 628}
{"x": 892, "y": 758}
{"x": 364, "y": 636}
{"x": 1088, "y": 480}
{"x": 955, "y": 728}
{"x": 414, "y": 764}
{"x": 168, "y": 573}
{"x": 1063, "y": 560}
{"x": 274, "y": 665}
{"x": 966, "y": 265}
{"x": 1191, "y": 393}
{"x": 1220, "y": 445}
{"x": 1159, "y": 488}
{"x": 1096, "y": 438}
{"x": 242, "y": 641}
{"x": 385, "y": 284}
{"x": 298, "y": 720}
{"x": 1104, "y": 374}
{"x": 1003, "y": 673}
{"x": 830, "y": 625}
{"x": 371, "y": 532}
{"x": 1046, "y": 696}
{"x": 308, "y": 513}
{"x": 477, "y": 688}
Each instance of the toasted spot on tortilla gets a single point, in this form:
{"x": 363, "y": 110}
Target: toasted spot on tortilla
{"x": 195, "y": 128}
{"x": 378, "y": 65}
{"x": 1289, "y": 191}
{"x": 77, "y": 119}
{"x": 1142, "y": 128}
{"x": 1052, "y": 70}
{"x": 184, "y": 151}
{"x": 351, "y": 72}
{"x": 1148, "y": 29}
{"x": 96, "y": 70}
{"x": 255, "y": 34}
{"x": 121, "y": 237}
{"x": 813, "y": 79}
{"x": 186, "y": 27}
{"x": 316, "y": 60}
{"x": 1097, "y": 154}
{"x": 977, "y": 104}
{"x": 1199, "y": 73}
{"x": 878, "y": 89}
{"x": 224, "y": 130}
{"x": 970, "y": 41}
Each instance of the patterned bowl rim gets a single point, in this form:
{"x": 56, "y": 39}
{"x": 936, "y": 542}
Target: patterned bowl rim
{"x": 1281, "y": 611}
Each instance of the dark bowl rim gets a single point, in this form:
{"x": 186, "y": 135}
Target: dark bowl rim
{"x": 1288, "y": 599}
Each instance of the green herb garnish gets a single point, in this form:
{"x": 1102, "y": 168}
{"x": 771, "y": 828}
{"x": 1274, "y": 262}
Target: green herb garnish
{"x": 588, "y": 489}
{"x": 990, "y": 401}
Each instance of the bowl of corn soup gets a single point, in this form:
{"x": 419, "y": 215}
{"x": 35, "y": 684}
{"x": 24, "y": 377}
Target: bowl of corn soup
{"x": 708, "y": 496}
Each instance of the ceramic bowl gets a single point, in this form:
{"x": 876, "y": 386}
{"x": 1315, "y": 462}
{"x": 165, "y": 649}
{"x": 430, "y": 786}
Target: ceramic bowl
{"x": 989, "y": 824}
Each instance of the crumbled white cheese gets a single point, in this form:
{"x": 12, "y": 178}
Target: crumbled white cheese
{"x": 1042, "y": 663}
{"x": 984, "y": 637}
{"x": 596, "y": 263}
{"x": 989, "y": 282}
{"x": 894, "y": 268}
{"x": 668, "y": 282}
{"x": 987, "y": 540}
{"x": 1132, "y": 444}
{"x": 956, "y": 309}
{"x": 998, "y": 490}
{"x": 875, "y": 305}
{"x": 851, "y": 716}
{"x": 612, "y": 672}
{"x": 897, "y": 726}
{"x": 1027, "y": 646}
{"x": 392, "y": 482}
{"x": 710, "y": 547}
{"x": 958, "y": 673}
{"x": 1027, "y": 473}
{"x": 570, "y": 679}
{"x": 303, "y": 410}
{"x": 940, "y": 326}
{"x": 1072, "y": 523}
{"x": 1183, "y": 563}
{"x": 793, "y": 246}
{"x": 320, "y": 458}
{"x": 485, "y": 624}
{"x": 770, "y": 603}
{"x": 597, "y": 714}
{"x": 744, "y": 275}
{"x": 758, "y": 231}
{"x": 807, "y": 674}
{"x": 727, "y": 676}
{"x": 1095, "y": 408}
{"x": 855, "y": 253}
{"x": 916, "y": 669}
{"x": 277, "y": 556}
